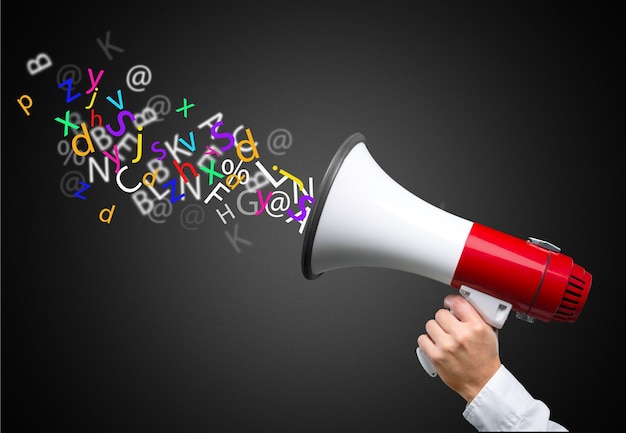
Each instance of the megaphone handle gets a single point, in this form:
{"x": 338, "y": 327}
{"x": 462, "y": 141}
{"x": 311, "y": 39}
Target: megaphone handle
{"x": 426, "y": 363}
{"x": 493, "y": 311}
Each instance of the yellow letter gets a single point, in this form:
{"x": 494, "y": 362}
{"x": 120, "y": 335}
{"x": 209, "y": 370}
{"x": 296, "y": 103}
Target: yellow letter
{"x": 139, "y": 144}
{"x": 110, "y": 211}
{"x": 154, "y": 177}
{"x": 250, "y": 141}
{"x": 87, "y": 137}
{"x": 25, "y": 107}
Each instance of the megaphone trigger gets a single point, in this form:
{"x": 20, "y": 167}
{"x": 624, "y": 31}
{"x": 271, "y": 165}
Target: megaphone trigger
{"x": 493, "y": 310}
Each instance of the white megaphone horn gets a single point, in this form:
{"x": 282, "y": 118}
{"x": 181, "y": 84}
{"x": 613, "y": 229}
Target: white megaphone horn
{"x": 362, "y": 217}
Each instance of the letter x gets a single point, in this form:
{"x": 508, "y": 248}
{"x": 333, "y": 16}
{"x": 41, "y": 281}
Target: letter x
{"x": 185, "y": 107}
{"x": 211, "y": 172}
{"x": 66, "y": 122}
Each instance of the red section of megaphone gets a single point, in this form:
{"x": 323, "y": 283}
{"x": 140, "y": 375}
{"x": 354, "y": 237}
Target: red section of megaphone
{"x": 537, "y": 281}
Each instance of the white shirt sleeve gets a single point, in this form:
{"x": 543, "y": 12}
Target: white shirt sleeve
{"x": 505, "y": 405}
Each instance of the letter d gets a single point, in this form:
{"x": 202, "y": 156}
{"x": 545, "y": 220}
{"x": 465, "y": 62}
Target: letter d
{"x": 87, "y": 137}
{"x": 250, "y": 141}
{"x": 110, "y": 213}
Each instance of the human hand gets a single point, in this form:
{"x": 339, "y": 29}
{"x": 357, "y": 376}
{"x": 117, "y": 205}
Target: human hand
{"x": 462, "y": 347}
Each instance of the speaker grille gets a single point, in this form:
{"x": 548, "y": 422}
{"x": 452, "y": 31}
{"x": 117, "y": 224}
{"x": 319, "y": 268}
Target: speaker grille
{"x": 574, "y": 296}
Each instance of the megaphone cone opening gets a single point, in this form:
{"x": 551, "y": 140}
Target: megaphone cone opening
{"x": 320, "y": 199}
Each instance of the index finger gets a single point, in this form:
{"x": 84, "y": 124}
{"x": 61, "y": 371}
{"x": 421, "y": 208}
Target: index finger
{"x": 461, "y": 308}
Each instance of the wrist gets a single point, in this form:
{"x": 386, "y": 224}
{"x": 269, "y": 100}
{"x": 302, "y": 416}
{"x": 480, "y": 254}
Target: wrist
{"x": 474, "y": 387}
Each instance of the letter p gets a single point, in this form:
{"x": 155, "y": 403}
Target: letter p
{"x": 25, "y": 106}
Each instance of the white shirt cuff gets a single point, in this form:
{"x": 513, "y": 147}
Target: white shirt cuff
{"x": 505, "y": 405}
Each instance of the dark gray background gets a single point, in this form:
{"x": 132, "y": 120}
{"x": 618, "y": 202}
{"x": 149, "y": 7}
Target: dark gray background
{"x": 508, "y": 115}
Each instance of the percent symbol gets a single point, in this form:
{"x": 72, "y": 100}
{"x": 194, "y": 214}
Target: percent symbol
{"x": 64, "y": 148}
{"x": 229, "y": 169}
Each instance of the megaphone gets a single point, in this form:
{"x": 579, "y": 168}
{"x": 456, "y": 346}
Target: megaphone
{"x": 362, "y": 217}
